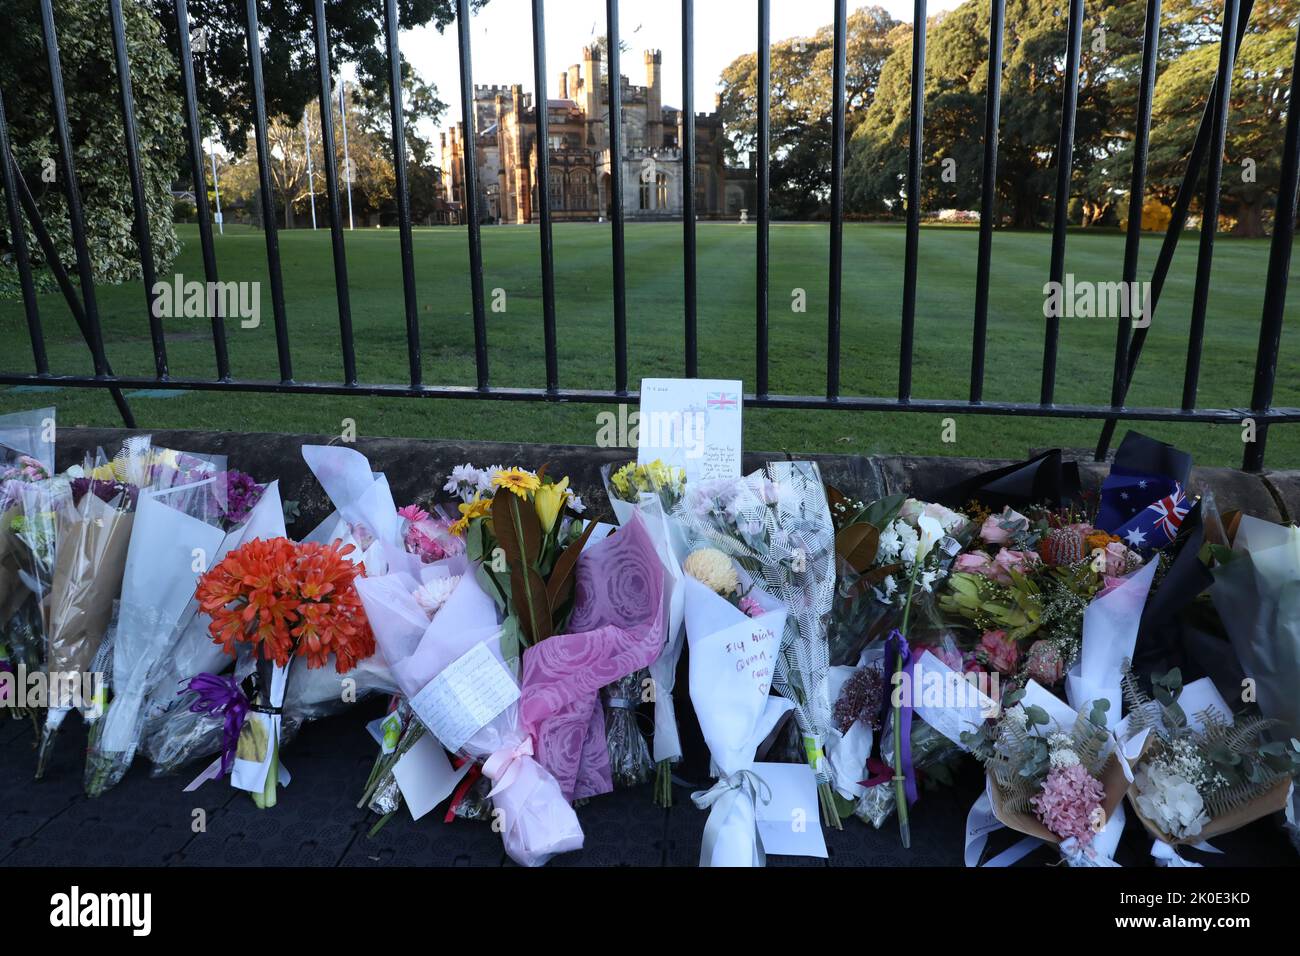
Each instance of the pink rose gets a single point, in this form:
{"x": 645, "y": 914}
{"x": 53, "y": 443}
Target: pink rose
{"x": 974, "y": 562}
{"x": 1044, "y": 663}
{"x": 1119, "y": 559}
{"x": 1022, "y": 562}
{"x": 998, "y": 529}
{"x": 999, "y": 651}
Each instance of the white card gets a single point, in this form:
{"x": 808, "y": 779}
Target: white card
{"x": 425, "y": 776}
{"x": 466, "y": 695}
{"x": 790, "y": 824}
{"x": 947, "y": 701}
{"x": 693, "y": 424}
{"x": 1201, "y": 695}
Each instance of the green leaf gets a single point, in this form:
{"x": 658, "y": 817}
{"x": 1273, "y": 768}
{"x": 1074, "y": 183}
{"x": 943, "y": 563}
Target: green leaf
{"x": 1037, "y": 715}
{"x": 560, "y": 585}
{"x": 511, "y": 642}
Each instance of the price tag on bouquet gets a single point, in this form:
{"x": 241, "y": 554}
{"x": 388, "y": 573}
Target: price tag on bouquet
{"x": 465, "y": 696}
{"x": 692, "y": 424}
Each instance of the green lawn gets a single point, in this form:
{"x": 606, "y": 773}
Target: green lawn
{"x": 873, "y": 260}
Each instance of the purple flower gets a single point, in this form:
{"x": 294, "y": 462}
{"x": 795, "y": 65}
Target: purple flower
{"x": 242, "y": 494}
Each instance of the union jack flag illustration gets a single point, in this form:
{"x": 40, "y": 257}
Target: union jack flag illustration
{"x": 722, "y": 401}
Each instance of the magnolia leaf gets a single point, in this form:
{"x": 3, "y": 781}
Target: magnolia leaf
{"x": 560, "y": 585}
{"x": 528, "y": 591}
{"x": 518, "y": 530}
{"x": 857, "y": 544}
{"x": 512, "y": 640}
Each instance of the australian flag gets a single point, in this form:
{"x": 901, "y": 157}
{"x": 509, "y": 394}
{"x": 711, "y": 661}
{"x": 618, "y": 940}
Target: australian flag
{"x": 1142, "y": 499}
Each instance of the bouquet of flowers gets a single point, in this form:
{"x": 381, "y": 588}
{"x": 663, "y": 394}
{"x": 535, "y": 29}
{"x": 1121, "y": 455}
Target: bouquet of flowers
{"x": 776, "y": 525}
{"x": 1053, "y": 774}
{"x": 1203, "y": 771}
{"x": 26, "y": 538}
{"x": 1025, "y": 585}
{"x": 176, "y": 532}
{"x": 284, "y": 600}
{"x": 734, "y": 653}
{"x": 653, "y": 491}
{"x": 450, "y": 668}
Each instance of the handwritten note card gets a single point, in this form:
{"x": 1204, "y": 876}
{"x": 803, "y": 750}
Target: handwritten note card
{"x": 693, "y": 424}
{"x": 467, "y": 694}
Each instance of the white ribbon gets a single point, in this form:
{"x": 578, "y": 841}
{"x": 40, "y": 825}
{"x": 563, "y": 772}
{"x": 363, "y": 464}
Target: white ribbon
{"x": 1166, "y": 854}
{"x": 722, "y": 798}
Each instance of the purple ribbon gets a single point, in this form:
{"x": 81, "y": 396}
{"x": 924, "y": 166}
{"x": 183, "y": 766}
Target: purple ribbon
{"x": 895, "y": 646}
{"x": 221, "y": 695}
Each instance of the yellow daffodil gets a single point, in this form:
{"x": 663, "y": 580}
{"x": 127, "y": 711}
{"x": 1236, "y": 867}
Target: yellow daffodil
{"x": 548, "y": 500}
{"x": 518, "y": 480}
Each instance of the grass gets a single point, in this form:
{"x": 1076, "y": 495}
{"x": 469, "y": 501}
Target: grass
{"x": 873, "y": 265}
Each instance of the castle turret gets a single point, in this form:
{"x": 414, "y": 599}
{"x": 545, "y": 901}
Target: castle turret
{"x": 591, "y": 99}
{"x": 654, "y": 112}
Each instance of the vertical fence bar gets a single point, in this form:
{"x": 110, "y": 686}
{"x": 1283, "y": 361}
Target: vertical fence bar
{"x": 64, "y": 282}
{"x": 194, "y": 136}
{"x": 616, "y": 186}
{"x": 544, "y": 231}
{"x": 469, "y": 151}
{"x": 1279, "y": 266}
{"x": 1064, "y": 167}
{"x": 76, "y": 219}
{"x": 403, "y": 192}
{"x": 835, "y": 281}
{"x": 916, "y": 134}
{"x": 332, "y": 192}
{"x": 762, "y": 183}
{"x": 268, "y": 194}
{"x": 138, "y": 200}
{"x": 1210, "y": 207}
{"x": 1169, "y": 245}
{"x": 988, "y": 198}
{"x": 688, "y": 187}
{"x": 1137, "y": 191}
{"x": 18, "y": 240}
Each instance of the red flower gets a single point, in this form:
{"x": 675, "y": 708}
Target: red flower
{"x": 286, "y": 599}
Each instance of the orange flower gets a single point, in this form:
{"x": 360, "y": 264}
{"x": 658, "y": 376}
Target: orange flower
{"x": 286, "y": 599}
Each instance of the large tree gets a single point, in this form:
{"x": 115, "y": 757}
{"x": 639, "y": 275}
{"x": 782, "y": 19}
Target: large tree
{"x": 956, "y": 77}
{"x": 288, "y": 52}
{"x": 95, "y": 126}
{"x": 1257, "y": 114}
{"x": 802, "y": 106}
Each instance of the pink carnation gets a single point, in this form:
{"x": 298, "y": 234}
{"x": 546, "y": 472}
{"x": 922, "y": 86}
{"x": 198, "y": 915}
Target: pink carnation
{"x": 413, "y": 513}
{"x": 1070, "y": 803}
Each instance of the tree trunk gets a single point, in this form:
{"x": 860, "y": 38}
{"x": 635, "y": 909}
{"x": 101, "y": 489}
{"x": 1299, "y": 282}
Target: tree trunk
{"x": 1250, "y": 220}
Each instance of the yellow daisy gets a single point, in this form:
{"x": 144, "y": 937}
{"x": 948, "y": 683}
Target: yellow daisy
{"x": 478, "y": 508}
{"x": 517, "y": 480}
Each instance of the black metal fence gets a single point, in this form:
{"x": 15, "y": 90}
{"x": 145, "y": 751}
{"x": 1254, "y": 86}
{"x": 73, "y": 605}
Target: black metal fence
{"x": 1205, "y": 157}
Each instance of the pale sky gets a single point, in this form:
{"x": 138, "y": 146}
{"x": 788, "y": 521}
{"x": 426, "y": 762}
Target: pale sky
{"x": 501, "y": 40}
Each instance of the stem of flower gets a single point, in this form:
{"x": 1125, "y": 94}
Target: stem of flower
{"x": 900, "y": 783}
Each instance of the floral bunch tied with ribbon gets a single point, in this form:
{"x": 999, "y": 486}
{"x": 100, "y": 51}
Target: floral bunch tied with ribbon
{"x": 286, "y": 600}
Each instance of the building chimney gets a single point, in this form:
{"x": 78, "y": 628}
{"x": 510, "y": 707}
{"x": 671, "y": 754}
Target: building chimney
{"x": 563, "y": 89}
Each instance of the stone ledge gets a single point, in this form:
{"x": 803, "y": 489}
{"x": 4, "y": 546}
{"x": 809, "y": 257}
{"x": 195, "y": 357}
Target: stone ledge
{"x": 416, "y": 468}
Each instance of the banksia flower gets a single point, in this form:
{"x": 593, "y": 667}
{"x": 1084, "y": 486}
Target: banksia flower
{"x": 1062, "y": 546}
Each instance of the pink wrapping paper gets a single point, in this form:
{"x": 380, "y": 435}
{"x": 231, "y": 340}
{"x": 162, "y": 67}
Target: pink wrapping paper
{"x": 616, "y": 629}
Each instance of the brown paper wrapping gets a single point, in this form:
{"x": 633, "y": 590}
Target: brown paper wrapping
{"x": 88, "y": 568}
{"x": 1270, "y": 801}
{"x": 1113, "y": 782}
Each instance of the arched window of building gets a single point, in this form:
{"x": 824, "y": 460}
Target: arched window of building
{"x": 579, "y": 192}
{"x": 646, "y": 194}
{"x": 661, "y": 191}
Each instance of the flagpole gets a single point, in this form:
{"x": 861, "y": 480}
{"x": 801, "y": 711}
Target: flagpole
{"x": 311, "y": 182}
{"x": 347, "y": 164}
